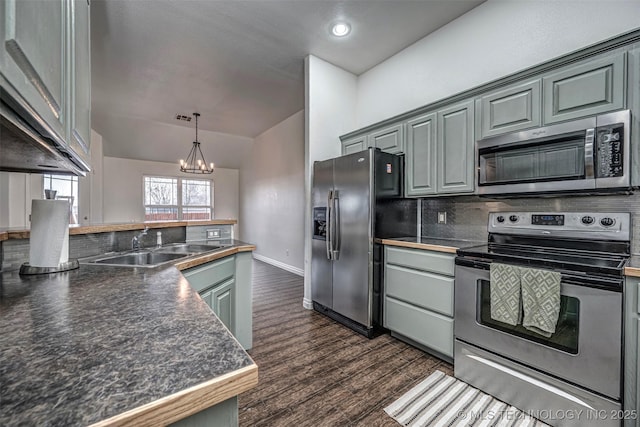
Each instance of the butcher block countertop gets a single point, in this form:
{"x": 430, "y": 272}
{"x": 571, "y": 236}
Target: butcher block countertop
{"x": 633, "y": 266}
{"x": 430, "y": 243}
{"x": 107, "y": 346}
{"x": 106, "y": 228}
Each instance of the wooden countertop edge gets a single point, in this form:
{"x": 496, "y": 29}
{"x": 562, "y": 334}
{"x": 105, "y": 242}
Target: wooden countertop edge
{"x": 187, "y": 402}
{"x": 632, "y": 271}
{"x": 194, "y": 262}
{"x": 414, "y": 245}
{"x": 106, "y": 228}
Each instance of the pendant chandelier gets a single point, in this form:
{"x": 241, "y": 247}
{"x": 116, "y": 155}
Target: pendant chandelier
{"x": 195, "y": 162}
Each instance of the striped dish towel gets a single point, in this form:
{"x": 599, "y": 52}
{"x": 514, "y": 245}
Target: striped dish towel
{"x": 441, "y": 400}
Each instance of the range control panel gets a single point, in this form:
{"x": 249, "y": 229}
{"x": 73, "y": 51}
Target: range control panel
{"x": 610, "y": 226}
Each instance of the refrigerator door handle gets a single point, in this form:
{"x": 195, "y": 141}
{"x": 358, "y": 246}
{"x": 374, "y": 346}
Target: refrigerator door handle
{"x": 335, "y": 241}
{"x": 329, "y": 238}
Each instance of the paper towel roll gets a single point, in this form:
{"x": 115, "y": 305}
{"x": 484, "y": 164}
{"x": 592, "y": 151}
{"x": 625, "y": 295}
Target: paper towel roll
{"x": 49, "y": 238}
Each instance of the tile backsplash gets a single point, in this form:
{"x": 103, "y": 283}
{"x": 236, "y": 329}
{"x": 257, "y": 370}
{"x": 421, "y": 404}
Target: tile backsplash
{"x": 467, "y": 215}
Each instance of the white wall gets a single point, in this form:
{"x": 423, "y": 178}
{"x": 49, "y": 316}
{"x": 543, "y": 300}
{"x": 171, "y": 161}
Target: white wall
{"x": 330, "y": 96}
{"x": 123, "y": 192}
{"x": 272, "y": 194}
{"x": 491, "y": 41}
{"x": 16, "y": 191}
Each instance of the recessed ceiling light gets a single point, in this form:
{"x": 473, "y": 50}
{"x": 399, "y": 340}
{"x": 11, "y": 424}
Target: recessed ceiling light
{"x": 340, "y": 29}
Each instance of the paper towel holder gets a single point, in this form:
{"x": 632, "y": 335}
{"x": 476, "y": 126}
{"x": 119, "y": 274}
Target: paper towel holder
{"x": 27, "y": 270}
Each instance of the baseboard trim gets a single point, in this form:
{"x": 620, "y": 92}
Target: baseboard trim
{"x": 282, "y": 265}
{"x": 306, "y": 303}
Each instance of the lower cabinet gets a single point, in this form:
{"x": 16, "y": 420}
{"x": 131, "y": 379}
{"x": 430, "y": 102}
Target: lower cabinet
{"x": 418, "y": 298}
{"x": 631, "y": 349}
{"x": 225, "y": 285}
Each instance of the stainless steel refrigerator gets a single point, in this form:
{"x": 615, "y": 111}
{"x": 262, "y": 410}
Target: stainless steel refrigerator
{"x": 355, "y": 199}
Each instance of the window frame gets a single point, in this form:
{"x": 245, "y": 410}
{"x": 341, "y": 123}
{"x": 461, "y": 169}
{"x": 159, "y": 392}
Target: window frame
{"x": 179, "y": 205}
{"x": 75, "y": 183}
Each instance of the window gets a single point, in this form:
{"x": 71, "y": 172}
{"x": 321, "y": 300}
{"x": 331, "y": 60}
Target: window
{"x": 167, "y": 198}
{"x": 66, "y": 187}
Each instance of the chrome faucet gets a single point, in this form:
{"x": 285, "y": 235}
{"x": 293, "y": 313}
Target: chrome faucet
{"x": 135, "y": 242}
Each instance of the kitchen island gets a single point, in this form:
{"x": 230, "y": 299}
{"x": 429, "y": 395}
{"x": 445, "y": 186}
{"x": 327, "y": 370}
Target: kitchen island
{"x": 114, "y": 346}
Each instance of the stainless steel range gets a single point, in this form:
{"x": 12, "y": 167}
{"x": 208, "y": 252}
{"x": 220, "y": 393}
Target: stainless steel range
{"x": 578, "y": 368}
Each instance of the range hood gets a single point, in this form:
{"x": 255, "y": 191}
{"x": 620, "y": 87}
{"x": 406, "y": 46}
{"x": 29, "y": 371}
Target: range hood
{"x": 24, "y": 149}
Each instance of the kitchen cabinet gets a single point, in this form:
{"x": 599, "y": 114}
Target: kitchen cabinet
{"x": 631, "y": 350}
{"x": 353, "y": 145}
{"x": 45, "y": 69}
{"x": 80, "y": 82}
{"x": 455, "y": 149}
{"x": 225, "y": 286}
{"x": 420, "y": 163}
{"x": 389, "y": 139}
{"x": 510, "y": 109}
{"x": 591, "y": 87}
{"x": 418, "y": 298}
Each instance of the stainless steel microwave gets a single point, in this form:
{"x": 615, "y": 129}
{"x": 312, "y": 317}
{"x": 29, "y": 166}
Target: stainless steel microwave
{"x": 583, "y": 155}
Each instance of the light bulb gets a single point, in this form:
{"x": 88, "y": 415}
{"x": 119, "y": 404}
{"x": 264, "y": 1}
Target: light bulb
{"x": 340, "y": 29}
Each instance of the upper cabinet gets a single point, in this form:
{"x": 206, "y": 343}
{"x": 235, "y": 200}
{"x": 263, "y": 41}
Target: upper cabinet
{"x": 80, "y": 82}
{"x": 420, "y": 162}
{"x": 33, "y": 58}
{"x": 455, "y": 147}
{"x": 353, "y": 145}
{"x": 510, "y": 109}
{"x": 591, "y": 87}
{"x": 389, "y": 139}
{"x": 45, "y": 69}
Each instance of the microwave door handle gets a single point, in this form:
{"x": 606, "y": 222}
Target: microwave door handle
{"x": 589, "y": 172}
{"x": 328, "y": 240}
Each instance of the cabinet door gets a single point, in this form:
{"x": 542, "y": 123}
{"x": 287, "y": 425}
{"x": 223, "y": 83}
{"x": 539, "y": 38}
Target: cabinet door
{"x": 594, "y": 87}
{"x": 32, "y": 60}
{"x": 223, "y": 304}
{"x": 388, "y": 139}
{"x": 421, "y": 156}
{"x": 510, "y": 109}
{"x": 79, "y": 138}
{"x": 354, "y": 145}
{"x": 455, "y": 149}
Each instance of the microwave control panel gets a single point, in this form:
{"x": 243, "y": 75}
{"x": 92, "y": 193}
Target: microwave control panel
{"x": 609, "y": 151}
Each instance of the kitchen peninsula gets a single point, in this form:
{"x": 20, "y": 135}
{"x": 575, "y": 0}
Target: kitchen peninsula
{"x": 111, "y": 345}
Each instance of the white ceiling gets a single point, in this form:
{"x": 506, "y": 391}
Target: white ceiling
{"x": 239, "y": 63}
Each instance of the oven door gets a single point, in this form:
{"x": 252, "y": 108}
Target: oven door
{"x": 584, "y": 350}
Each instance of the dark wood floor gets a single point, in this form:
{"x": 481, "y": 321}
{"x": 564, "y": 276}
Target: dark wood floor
{"x": 316, "y": 372}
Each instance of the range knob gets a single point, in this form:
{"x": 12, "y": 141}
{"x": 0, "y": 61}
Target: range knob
{"x": 607, "y": 222}
{"x": 587, "y": 220}
{"x": 500, "y": 219}
{"x": 513, "y": 218}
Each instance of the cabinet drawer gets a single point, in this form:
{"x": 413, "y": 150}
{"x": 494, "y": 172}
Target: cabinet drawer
{"x": 435, "y": 262}
{"x": 638, "y": 294}
{"x": 430, "y": 291}
{"x": 210, "y": 274}
{"x": 429, "y": 329}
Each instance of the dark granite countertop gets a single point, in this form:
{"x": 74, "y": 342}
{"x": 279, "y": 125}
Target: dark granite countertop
{"x": 82, "y": 346}
{"x": 431, "y": 243}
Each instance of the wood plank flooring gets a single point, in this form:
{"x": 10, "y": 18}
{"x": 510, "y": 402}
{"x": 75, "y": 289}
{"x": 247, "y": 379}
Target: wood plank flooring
{"x": 316, "y": 372}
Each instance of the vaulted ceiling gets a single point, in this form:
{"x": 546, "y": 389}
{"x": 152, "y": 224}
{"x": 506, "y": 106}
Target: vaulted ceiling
{"x": 239, "y": 63}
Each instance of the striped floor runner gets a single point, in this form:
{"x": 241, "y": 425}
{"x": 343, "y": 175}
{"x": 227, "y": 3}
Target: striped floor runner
{"x": 441, "y": 400}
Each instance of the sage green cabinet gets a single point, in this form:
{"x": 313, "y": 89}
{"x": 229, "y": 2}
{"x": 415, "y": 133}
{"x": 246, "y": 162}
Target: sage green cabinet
{"x": 418, "y": 298}
{"x": 420, "y": 161}
{"x": 80, "y": 131}
{"x": 354, "y": 145}
{"x": 455, "y": 149}
{"x": 591, "y": 87}
{"x": 631, "y": 349}
{"x": 33, "y": 58}
{"x": 225, "y": 286}
{"x": 510, "y": 109}
{"x": 389, "y": 139}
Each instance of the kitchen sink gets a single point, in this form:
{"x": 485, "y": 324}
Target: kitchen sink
{"x": 186, "y": 248}
{"x": 145, "y": 259}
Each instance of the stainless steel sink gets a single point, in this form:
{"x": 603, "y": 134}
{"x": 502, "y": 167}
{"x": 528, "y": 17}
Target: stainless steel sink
{"x": 145, "y": 259}
{"x": 186, "y": 248}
